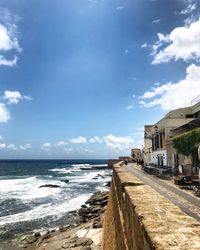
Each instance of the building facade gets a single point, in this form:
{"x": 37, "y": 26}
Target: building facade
{"x": 147, "y": 150}
{"x": 158, "y": 148}
{"x": 136, "y": 154}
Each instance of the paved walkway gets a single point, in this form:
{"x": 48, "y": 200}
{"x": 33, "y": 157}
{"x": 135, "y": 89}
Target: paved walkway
{"x": 186, "y": 202}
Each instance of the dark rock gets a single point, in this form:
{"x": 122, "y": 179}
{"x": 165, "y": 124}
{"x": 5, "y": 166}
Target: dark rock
{"x": 84, "y": 211}
{"x": 97, "y": 205}
{"x": 95, "y": 209}
{"x": 97, "y": 224}
{"x": 98, "y": 176}
{"x": 86, "y": 248}
{"x": 73, "y": 212}
{"x": 37, "y": 234}
{"x": 94, "y": 168}
{"x": 108, "y": 175}
{"x": 108, "y": 184}
{"x": 83, "y": 242}
{"x": 73, "y": 240}
{"x": 97, "y": 197}
{"x": 31, "y": 239}
{"x": 50, "y": 186}
{"x": 101, "y": 176}
{"x": 70, "y": 243}
{"x": 62, "y": 228}
{"x": 5, "y": 235}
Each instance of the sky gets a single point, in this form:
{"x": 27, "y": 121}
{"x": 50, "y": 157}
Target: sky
{"x": 80, "y": 79}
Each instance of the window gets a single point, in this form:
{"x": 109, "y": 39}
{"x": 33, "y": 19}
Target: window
{"x": 157, "y": 141}
{"x": 161, "y": 140}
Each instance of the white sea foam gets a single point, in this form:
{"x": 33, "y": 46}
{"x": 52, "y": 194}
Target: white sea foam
{"x": 76, "y": 168}
{"x": 81, "y": 165}
{"x": 44, "y": 210}
{"x": 102, "y": 188}
{"x": 58, "y": 200}
{"x": 27, "y": 188}
{"x": 100, "y": 165}
{"x": 61, "y": 170}
{"x": 89, "y": 177}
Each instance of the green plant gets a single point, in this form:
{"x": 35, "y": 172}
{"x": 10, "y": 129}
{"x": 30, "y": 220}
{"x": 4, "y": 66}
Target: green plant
{"x": 187, "y": 143}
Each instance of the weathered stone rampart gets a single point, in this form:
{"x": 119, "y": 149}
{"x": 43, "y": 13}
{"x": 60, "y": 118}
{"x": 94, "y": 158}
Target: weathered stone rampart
{"x": 139, "y": 218}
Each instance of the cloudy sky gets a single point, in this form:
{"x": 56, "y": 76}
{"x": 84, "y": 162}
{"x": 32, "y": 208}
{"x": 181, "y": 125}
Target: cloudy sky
{"x": 79, "y": 79}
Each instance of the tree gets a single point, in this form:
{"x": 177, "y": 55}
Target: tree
{"x": 187, "y": 144}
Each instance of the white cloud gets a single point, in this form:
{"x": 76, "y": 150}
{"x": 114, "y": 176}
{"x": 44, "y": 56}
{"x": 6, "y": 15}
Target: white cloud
{"x": 12, "y": 147}
{"x": 1, "y": 137}
{"x": 2, "y": 145}
{"x": 46, "y": 146}
{"x": 129, "y": 107}
{"x": 8, "y": 37}
{"x": 189, "y": 9}
{"x": 144, "y": 45}
{"x": 25, "y": 146}
{"x": 156, "y": 21}
{"x": 92, "y": 140}
{"x": 61, "y": 143}
{"x": 118, "y": 143}
{"x": 143, "y": 103}
{"x": 8, "y": 40}
{"x": 27, "y": 98}
{"x": 161, "y": 40}
{"x": 175, "y": 95}
{"x": 4, "y": 113}
{"x": 182, "y": 43}
{"x": 95, "y": 139}
{"x": 13, "y": 97}
{"x": 156, "y": 91}
{"x": 79, "y": 140}
{"x": 5, "y": 62}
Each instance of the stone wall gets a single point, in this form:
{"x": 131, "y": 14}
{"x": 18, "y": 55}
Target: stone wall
{"x": 139, "y": 218}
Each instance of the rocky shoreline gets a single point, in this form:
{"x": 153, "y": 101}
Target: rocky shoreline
{"x": 85, "y": 235}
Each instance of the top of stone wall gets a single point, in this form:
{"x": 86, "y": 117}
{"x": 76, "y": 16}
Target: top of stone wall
{"x": 166, "y": 225}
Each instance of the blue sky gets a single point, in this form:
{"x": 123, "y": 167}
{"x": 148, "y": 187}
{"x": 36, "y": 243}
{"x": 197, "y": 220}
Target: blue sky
{"x": 79, "y": 79}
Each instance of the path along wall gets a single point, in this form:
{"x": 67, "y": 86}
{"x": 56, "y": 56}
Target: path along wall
{"x": 139, "y": 218}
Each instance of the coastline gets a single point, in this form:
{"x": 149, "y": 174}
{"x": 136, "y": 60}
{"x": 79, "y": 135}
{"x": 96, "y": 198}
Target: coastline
{"x": 36, "y": 182}
{"x": 85, "y": 235}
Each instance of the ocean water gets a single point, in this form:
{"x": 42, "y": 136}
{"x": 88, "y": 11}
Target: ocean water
{"x": 24, "y": 207}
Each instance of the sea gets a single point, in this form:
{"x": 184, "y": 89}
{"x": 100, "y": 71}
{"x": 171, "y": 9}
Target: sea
{"x": 26, "y": 207}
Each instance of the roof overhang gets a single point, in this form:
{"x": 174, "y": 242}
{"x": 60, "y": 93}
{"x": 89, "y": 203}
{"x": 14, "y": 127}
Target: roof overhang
{"x": 195, "y": 123}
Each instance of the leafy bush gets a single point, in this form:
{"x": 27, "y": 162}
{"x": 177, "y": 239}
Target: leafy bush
{"x": 187, "y": 142}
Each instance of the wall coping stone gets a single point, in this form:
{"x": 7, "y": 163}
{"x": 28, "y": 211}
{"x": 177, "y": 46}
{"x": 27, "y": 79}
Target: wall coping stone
{"x": 166, "y": 225}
